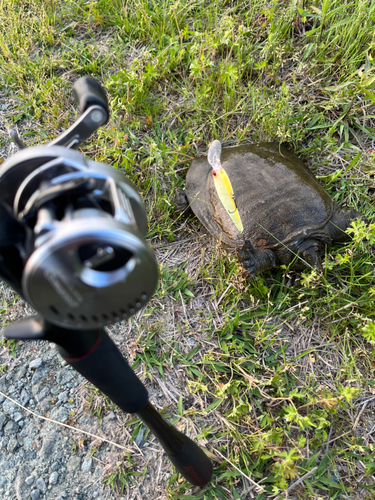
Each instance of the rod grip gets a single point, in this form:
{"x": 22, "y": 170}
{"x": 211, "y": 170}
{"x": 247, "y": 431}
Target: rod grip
{"x": 107, "y": 369}
{"x": 87, "y": 92}
{"x": 96, "y": 357}
{"x": 188, "y": 458}
{"x": 192, "y": 463}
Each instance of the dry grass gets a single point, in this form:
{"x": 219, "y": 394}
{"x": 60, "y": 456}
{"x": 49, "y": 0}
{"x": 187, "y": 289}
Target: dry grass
{"x": 274, "y": 373}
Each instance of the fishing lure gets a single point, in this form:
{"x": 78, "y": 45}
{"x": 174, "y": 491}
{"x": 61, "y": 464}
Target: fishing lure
{"x": 223, "y": 185}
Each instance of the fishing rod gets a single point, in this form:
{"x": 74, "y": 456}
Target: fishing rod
{"x": 72, "y": 244}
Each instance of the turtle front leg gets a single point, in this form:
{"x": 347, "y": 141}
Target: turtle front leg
{"x": 255, "y": 260}
{"x": 340, "y": 222}
{"x": 309, "y": 252}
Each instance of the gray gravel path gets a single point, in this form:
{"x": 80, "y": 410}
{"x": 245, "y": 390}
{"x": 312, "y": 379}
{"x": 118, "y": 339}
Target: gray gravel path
{"x": 40, "y": 459}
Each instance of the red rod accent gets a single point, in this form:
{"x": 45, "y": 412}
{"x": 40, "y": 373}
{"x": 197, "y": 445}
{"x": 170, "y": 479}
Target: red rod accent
{"x": 71, "y": 360}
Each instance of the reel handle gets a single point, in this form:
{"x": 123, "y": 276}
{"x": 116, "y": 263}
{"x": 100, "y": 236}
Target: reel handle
{"x": 93, "y": 104}
{"x": 87, "y": 92}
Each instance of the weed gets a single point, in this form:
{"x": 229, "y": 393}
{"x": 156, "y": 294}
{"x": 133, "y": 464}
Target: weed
{"x": 123, "y": 474}
{"x": 281, "y": 365}
{"x": 97, "y": 403}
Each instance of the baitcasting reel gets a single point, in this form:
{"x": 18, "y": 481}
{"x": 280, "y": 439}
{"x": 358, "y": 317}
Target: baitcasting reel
{"x": 86, "y": 261}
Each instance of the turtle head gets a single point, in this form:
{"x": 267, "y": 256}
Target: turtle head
{"x": 213, "y": 155}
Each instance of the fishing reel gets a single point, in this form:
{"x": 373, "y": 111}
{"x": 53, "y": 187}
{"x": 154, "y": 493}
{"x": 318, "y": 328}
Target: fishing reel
{"x": 86, "y": 261}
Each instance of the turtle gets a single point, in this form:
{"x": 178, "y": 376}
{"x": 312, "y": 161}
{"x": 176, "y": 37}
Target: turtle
{"x": 264, "y": 203}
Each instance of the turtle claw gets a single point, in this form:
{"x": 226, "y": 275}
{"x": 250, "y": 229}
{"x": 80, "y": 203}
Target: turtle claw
{"x": 255, "y": 260}
{"x": 181, "y": 202}
{"x": 311, "y": 255}
{"x": 246, "y": 258}
{"x": 313, "y": 260}
{"x": 250, "y": 268}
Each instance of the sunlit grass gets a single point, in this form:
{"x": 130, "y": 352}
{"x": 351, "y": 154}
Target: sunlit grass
{"x": 178, "y": 75}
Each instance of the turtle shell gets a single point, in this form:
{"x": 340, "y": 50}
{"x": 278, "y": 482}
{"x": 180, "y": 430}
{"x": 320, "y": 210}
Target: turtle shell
{"x": 278, "y": 198}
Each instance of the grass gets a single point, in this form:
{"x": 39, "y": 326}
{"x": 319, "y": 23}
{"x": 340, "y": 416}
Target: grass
{"x": 272, "y": 373}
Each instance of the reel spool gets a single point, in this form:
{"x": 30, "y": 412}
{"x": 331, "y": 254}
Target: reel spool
{"x": 88, "y": 262}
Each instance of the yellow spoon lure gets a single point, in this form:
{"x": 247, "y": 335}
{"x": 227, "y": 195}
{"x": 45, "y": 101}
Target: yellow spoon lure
{"x": 223, "y": 185}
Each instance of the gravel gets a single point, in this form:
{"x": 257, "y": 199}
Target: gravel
{"x": 53, "y": 478}
{"x": 87, "y": 464}
{"x": 37, "y": 363}
{"x": 29, "y": 480}
{"x": 73, "y": 464}
{"x": 35, "y": 494}
{"x": 40, "y": 460}
{"x": 41, "y": 485}
{"x": 11, "y": 428}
